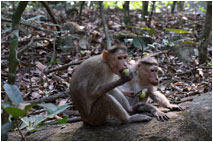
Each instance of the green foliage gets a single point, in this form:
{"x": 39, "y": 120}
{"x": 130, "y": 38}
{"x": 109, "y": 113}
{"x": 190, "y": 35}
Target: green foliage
{"x": 168, "y": 43}
{"x": 52, "y": 109}
{"x": 178, "y": 31}
{"x": 149, "y": 30}
{"x": 202, "y": 9}
{"x": 120, "y": 4}
{"x": 187, "y": 5}
{"x": 15, "y": 112}
{"x": 137, "y": 41}
{"x": 13, "y": 93}
{"x": 167, "y": 2}
{"x": 189, "y": 42}
{"x": 53, "y": 62}
{"x": 210, "y": 64}
{"x": 134, "y": 5}
{"x": 63, "y": 121}
{"x": 32, "y": 122}
{"x": 110, "y": 4}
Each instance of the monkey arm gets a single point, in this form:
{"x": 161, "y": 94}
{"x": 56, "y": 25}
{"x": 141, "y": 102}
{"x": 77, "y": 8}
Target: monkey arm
{"x": 106, "y": 87}
{"x": 163, "y": 101}
{"x": 153, "y": 110}
{"x": 159, "y": 98}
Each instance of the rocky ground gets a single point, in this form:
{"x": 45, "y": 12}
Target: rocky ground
{"x": 192, "y": 124}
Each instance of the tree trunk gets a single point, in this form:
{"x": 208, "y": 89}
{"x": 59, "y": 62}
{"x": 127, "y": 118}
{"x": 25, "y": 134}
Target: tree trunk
{"x": 145, "y": 10}
{"x": 13, "y": 61}
{"x": 173, "y": 7}
{"x": 180, "y": 5}
{"x": 205, "y": 37}
{"x": 81, "y": 8}
{"x": 150, "y": 16}
{"x": 126, "y": 13}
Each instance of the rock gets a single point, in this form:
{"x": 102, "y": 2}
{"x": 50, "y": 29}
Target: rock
{"x": 185, "y": 49}
{"x": 192, "y": 124}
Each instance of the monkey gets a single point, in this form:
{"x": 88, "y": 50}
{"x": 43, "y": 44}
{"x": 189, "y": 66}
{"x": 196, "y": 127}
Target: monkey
{"x": 94, "y": 92}
{"x": 145, "y": 76}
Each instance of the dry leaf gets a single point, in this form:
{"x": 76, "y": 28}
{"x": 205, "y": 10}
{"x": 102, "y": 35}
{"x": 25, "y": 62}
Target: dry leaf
{"x": 40, "y": 66}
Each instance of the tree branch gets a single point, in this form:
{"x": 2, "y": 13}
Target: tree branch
{"x": 50, "y": 98}
{"x": 105, "y": 25}
{"x": 49, "y": 11}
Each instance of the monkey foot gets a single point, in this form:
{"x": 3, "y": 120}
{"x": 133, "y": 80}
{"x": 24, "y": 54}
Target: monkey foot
{"x": 140, "y": 118}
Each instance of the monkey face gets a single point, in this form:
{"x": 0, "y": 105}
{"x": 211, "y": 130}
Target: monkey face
{"x": 119, "y": 63}
{"x": 116, "y": 60}
{"x": 148, "y": 74}
{"x": 153, "y": 75}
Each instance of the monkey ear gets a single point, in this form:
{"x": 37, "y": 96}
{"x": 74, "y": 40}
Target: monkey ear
{"x": 105, "y": 54}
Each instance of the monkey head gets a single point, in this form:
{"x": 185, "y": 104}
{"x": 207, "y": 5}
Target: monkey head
{"x": 116, "y": 58}
{"x": 148, "y": 71}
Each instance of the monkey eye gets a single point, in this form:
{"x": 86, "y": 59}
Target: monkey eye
{"x": 119, "y": 58}
{"x": 125, "y": 57}
{"x": 152, "y": 70}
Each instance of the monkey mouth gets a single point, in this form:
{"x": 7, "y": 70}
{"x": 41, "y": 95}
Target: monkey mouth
{"x": 119, "y": 73}
{"x": 155, "y": 83}
{"x": 122, "y": 71}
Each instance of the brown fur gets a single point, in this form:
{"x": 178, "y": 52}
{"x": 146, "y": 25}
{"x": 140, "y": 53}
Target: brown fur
{"x": 93, "y": 89}
{"x": 145, "y": 77}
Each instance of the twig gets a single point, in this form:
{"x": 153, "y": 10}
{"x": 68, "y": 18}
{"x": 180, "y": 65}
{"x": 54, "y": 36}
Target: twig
{"x": 63, "y": 67}
{"x": 54, "y": 54}
{"x": 49, "y": 11}
{"x": 17, "y": 126}
{"x": 69, "y": 120}
{"x": 159, "y": 53}
{"x": 29, "y": 25}
{"x": 105, "y": 26}
{"x": 185, "y": 100}
{"x": 21, "y": 51}
{"x": 50, "y": 98}
{"x": 74, "y": 119}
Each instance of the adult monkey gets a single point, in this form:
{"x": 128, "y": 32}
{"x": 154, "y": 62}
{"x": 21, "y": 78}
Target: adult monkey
{"x": 93, "y": 88}
{"x": 145, "y": 74}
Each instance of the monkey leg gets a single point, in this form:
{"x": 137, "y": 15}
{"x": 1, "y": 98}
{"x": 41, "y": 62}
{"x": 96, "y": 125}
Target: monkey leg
{"x": 104, "y": 106}
{"x": 154, "y": 111}
{"x": 119, "y": 96}
{"x": 117, "y": 110}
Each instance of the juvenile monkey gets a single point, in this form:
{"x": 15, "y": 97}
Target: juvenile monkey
{"x": 145, "y": 74}
{"x": 93, "y": 88}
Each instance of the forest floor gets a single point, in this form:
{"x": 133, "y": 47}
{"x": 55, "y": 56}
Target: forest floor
{"x": 36, "y": 80}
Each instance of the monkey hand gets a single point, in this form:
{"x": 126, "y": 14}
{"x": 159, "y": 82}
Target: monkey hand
{"x": 161, "y": 116}
{"x": 126, "y": 77}
{"x": 174, "y": 107}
